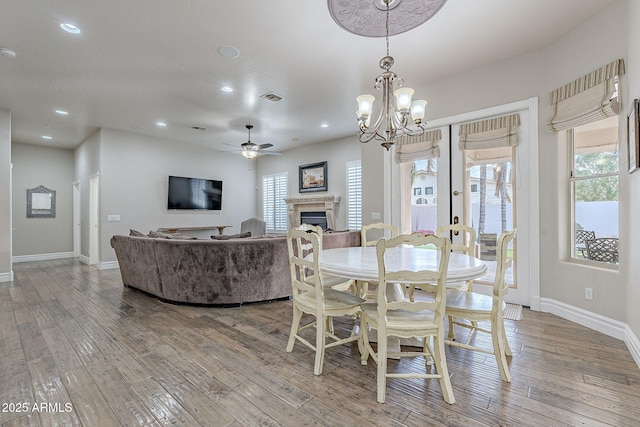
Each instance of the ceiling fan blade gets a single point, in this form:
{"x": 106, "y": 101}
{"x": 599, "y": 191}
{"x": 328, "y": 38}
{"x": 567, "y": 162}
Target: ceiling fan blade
{"x": 270, "y": 153}
{"x": 232, "y": 145}
{"x": 263, "y": 146}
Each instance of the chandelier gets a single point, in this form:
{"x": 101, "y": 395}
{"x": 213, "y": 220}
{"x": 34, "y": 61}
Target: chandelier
{"x": 365, "y": 18}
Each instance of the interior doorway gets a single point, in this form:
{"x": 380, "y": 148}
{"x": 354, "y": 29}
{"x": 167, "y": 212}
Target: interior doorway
{"x": 77, "y": 231}
{"x": 94, "y": 223}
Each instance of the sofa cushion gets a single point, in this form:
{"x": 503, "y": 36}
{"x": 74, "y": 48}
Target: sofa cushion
{"x": 136, "y": 233}
{"x": 174, "y": 236}
{"x": 232, "y": 236}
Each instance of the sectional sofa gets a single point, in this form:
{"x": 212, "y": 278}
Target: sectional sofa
{"x": 212, "y": 272}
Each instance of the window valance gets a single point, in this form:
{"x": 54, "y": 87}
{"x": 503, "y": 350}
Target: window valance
{"x": 592, "y": 97}
{"x": 491, "y": 133}
{"x": 425, "y": 146}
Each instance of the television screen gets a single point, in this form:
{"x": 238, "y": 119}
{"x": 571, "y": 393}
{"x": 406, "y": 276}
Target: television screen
{"x": 194, "y": 193}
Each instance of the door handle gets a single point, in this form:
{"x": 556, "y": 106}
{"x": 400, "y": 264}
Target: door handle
{"x": 455, "y": 221}
{"x": 456, "y": 193}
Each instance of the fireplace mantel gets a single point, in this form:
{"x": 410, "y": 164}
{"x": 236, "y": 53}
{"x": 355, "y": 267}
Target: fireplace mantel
{"x": 325, "y": 203}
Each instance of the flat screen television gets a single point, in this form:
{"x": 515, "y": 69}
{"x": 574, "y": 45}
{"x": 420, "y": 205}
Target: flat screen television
{"x": 194, "y": 193}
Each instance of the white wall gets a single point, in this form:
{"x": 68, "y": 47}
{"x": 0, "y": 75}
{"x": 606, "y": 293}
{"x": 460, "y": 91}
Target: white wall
{"x": 35, "y": 165}
{"x": 336, "y": 153}
{"x": 134, "y": 171}
{"x": 6, "y": 273}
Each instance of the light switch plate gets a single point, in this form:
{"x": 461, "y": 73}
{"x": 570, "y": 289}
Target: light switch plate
{"x": 375, "y": 215}
{"x": 113, "y": 218}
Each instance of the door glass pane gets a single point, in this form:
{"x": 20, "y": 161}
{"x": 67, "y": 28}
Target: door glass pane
{"x": 490, "y": 201}
{"x": 424, "y": 197}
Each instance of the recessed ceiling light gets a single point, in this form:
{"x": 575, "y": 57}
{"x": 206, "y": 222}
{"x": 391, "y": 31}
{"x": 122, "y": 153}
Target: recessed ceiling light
{"x": 226, "y": 89}
{"x": 7, "y": 53}
{"x": 62, "y": 112}
{"x": 70, "y": 28}
{"x": 228, "y": 51}
{"x": 46, "y": 137}
{"x": 324, "y": 125}
{"x": 161, "y": 124}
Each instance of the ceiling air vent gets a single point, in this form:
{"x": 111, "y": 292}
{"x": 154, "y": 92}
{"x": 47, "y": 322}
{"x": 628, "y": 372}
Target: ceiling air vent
{"x": 200, "y": 128}
{"x": 272, "y": 97}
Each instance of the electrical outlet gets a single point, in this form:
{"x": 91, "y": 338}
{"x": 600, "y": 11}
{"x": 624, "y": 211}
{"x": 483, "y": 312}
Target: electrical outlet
{"x": 588, "y": 294}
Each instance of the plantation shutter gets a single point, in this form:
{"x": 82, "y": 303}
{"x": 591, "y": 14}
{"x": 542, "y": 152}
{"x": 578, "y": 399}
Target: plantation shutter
{"x": 409, "y": 149}
{"x": 274, "y": 208}
{"x": 354, "y": 195}
{"x": 592, "y": 97}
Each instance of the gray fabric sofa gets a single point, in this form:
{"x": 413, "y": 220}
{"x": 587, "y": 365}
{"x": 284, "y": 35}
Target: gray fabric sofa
{"x": 212, "y": 272}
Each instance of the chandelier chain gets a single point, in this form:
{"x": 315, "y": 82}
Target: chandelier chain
{"x": 387, "y": 26}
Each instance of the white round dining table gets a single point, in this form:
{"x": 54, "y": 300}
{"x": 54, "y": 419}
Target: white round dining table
{"x": 361, "y": 263}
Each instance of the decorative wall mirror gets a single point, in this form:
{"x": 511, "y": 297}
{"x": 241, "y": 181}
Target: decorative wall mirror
{"x": 41, "y": 202}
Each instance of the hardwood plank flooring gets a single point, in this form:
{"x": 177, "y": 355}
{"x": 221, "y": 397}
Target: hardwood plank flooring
{"x": 79, "y": 349}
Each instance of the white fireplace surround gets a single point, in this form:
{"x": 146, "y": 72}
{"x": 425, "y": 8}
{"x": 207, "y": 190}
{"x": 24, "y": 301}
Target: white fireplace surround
{"x": 325, "y": 203}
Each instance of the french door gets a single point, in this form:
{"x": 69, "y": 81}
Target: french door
{"x": 492, "y": 190}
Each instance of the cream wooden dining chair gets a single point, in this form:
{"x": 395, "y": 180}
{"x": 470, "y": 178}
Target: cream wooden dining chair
{"x": 334, "y": 282}
{"x": 312, "y": 297}
{"x": 476, "y": 307}
{"x": 407, "y": 319}
{"x": 467, "y": 248}
{"x": 369, "y": 236}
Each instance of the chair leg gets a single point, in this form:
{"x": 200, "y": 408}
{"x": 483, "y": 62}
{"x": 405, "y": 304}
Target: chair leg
{"x": 497, "y": 336}
{"x": 295, "y": 324}
{"x": 320, "y": 340}
{"x": 440, "y": 361}
{"x": 382, "y": 367}
{"x": 364, "y": 337}
{"x": 507, "y": 348}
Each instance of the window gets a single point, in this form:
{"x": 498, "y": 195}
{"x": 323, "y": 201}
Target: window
{"x": 594, "y": 190}
{"x": 428, "y": 190}
{"x": 274, "y": 208}
{"x": 354, "y": 195}
{"x": 417, "y": 191}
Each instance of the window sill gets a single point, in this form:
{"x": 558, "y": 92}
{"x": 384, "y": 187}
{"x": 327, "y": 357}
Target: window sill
{"x": 594, "y": 264}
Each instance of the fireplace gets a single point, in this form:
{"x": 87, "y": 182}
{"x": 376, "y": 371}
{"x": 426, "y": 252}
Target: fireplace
{"x": 314, "y": 218}
{"x": 297, "y": 206}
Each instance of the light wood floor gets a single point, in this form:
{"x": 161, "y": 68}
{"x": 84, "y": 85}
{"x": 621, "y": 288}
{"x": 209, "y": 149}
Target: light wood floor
{"x": 87, "y": 351}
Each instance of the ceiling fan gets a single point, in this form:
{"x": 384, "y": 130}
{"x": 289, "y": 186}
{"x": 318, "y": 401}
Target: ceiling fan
{"x": 251, "y": 150}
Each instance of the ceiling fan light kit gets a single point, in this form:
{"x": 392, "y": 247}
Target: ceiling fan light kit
{"x": 393, "y": 120}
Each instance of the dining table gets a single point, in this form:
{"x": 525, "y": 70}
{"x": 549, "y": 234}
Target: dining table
{"x": 361, "y": 263}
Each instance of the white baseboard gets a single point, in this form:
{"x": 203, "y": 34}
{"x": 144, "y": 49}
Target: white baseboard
{"x": 108, "y": 265}
{"x": 6, "y": 277}
{"x": 84, "y": 259}
{"x": 41, "y": 257}
{"x": 594, "y": 321}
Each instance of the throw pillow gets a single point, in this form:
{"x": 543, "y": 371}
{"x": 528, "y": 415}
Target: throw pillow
{"x": 136, "y": 233}
{"x": 159, "y": 235}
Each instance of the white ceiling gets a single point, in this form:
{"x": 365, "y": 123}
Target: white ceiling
{"x": 140, "y": 61}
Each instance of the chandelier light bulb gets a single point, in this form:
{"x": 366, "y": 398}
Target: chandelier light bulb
{"x": 365, "y": 105}
{"x": 249, "y": 154}
{"x": 403, "y": 99}
{"x": 418, "y": 108}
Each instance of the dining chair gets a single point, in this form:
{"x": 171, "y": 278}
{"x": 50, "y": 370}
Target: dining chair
{"x": 468, "y": 248}
{"x": 335, "y": 282}
{"x": 603, "y": 249}
{"x": 476, "y": 307}
{"x": 310, "y": 296}
{"x": 369, "y": 236}
{"x": 409, "y": 319}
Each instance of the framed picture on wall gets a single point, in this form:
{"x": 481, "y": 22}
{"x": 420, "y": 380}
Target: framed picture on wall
{"x": 313, "y": 177}
{"x": 633, "y": 136}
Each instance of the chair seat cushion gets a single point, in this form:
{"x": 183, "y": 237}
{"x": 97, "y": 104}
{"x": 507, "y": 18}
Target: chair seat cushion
{"x": 460, "y": 300}
{"x": 401, "y": 319}
{"x": 333, "y": 299}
